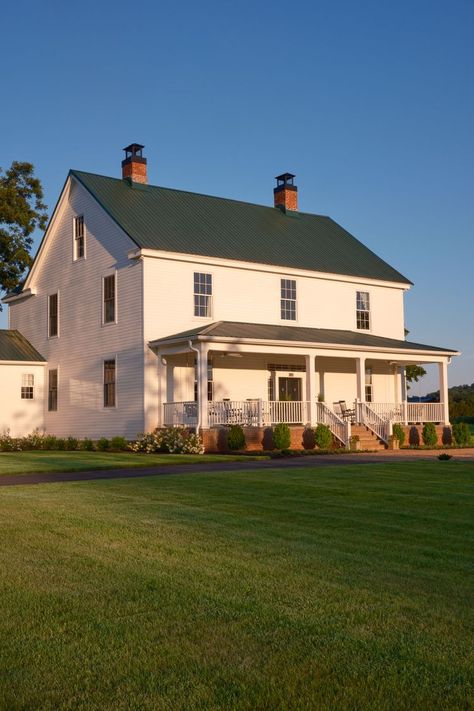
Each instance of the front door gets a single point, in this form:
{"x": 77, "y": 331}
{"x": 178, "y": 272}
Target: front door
{"x": 289, "y": 389}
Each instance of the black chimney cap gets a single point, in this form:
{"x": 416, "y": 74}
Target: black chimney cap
{"x": 134, "y": 149}
{"x": 285, "y": 179}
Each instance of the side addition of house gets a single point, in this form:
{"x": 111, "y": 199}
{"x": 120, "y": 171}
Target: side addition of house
{"x": 148, "y": 306}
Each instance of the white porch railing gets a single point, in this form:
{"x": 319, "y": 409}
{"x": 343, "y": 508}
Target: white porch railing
{"x": 236, "y": 412}
{"x": 367, "y": 416}
{"x": 409, "y": 412}
{"x": 292, "y": 412}
{"x": 424, "y": 412}
{"x": 339, "y": 427}
{"x": 180, "y": 413}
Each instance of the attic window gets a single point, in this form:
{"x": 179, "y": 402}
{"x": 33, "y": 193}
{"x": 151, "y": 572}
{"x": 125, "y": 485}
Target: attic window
{"x": 79, "y": 238}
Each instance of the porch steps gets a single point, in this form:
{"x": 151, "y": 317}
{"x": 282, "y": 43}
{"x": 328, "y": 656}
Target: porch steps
{"x": 367, "y": 439}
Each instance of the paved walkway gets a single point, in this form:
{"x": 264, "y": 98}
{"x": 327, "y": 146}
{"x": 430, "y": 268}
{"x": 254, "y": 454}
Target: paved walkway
{"x": 320, "y": 460}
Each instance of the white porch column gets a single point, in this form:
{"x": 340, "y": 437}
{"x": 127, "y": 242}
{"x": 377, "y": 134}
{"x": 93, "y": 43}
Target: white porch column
{"x": 161, "y": 376}
{"x": 202, "y": 385}
{"x": 403, "y": 387}
{"x": 360, "y": 370}
{"x": 310, "y": 364}
{"x": 443, "y": 389}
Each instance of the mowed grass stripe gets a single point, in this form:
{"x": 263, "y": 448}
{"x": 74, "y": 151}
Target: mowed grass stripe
{"x": 252, "y": 590}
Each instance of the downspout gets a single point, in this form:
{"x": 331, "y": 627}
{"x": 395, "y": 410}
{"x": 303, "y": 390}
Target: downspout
{"x": 198, "y": 368}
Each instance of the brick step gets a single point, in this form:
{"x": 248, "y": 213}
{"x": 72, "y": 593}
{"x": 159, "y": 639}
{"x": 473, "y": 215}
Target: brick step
{"x": 367, "y": 438}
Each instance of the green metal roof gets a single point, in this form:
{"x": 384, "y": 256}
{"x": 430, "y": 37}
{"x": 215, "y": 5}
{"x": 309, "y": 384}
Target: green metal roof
{"x": 190, "y": 223}
{"x": 14, "y": 346}
{"x": 257, "y": 331}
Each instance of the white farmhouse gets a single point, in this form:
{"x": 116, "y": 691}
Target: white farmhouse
{"x": 152, "y": 306}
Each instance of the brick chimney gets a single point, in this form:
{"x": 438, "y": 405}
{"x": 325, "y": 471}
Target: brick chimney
{"x": 134, "y": 164}
{"x": 286, "y": 193}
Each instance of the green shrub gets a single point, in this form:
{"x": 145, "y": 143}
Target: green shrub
{"x": 281, "y": 436}
{"x": 399, "y": 433}
{"x": 87, "y": 445}
{"x": 50, "y": 442}
{"x": 33, "y": 440}
{"x": 60, "y": 444}
{"x": 461, "y": 434}
{"x": 429, "y": 436}
{"x": 119, "y": 443}
{"x": 103, "y": 444}
{"x": 444, "y": 457}
{"x": 323, "y": 437}
{"x": 236, "y": 437}
{"x": 72, "y": 443}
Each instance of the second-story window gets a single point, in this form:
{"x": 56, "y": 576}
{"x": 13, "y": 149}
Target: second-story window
{"x": 109, "y": 299}
{"x": 53, "y": 315}
{"x": 202, "y": 294}
{"x": 363, "y": 310}
{"x": 288, "y": 299}
{"x": 79, "y": 237}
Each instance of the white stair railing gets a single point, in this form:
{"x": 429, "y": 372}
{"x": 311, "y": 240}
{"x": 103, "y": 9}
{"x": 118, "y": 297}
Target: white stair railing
{"x": 339, "y": 427}
{"x": 365, "y": 415}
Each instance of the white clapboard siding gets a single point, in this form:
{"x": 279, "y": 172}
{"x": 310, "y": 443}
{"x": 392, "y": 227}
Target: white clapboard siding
{"x": 19, "y": 416}
{"x": 83, "y": 341}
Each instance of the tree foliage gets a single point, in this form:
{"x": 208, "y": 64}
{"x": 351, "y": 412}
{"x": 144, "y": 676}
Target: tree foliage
{"x": 413, "y": 373}
{"x": 22, "y": 210}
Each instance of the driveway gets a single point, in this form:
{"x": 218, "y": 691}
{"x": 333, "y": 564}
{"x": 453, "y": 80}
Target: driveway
{"x": 316, "y": 461}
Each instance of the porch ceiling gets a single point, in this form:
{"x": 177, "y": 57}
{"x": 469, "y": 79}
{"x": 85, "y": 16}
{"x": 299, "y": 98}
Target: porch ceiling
{"x": 271, "y": 334}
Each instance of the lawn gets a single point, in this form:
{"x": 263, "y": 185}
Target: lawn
{"x": 324, "y": 588}
{"x": 32, "y": 462}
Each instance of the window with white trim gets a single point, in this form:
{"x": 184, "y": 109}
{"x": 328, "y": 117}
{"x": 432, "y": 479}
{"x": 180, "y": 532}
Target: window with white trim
{"x": 109, "y": 294}
{"x": 363, "y": 310}
{"x": 368, "y": 385}
{"x": 53, "y": 315}
{"x": 202, "y": 294}
{"x": 109, "y": 383}
{"x": 288, "y": 299}
{"x": 52, "y": 390}
{"x": 79, "y": 237}
{"x": 27, "y": 386}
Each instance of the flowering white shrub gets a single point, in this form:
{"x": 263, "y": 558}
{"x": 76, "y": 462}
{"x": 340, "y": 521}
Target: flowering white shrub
{"x": 175, "y": 440}
{"x": 9, "y": 444}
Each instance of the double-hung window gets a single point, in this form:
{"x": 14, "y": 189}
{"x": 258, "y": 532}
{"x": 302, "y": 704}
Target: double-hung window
{"x": 108, "y": 307}
{"x": 27, "y": 386}
{"x": 368, "y": 385}
{"x": 363, "y": 310}
{"x": 52, "y": 390}
{"x": 202, "y": 294}
{"x": 79, "y": 237}
{"x": 288, "y": 299}
{"x": 109, "y": 383}
{"x": 53, "y": 315}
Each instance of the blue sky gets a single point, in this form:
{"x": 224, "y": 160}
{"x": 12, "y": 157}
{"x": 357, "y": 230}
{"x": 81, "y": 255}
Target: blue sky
{"x": 371, "y": 104}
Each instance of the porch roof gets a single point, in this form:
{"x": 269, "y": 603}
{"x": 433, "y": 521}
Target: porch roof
{"x": 236, "y": 331}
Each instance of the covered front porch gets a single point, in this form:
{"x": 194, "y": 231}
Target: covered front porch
{"x": 208, "y": 380}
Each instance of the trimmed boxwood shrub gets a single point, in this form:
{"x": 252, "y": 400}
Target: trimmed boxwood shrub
{"x": 119, "y": 443}
{"x": 281, "y": 436}
{"x": 430, "y": 438}
{"x": 236, "y": 437}
{"x": 399, "y": 433}
{"x": 323, "y": 437}
{"x": 461, "y": 433}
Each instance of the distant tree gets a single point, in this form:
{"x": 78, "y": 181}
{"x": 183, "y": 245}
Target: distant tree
{"x": 21, "y": 212}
